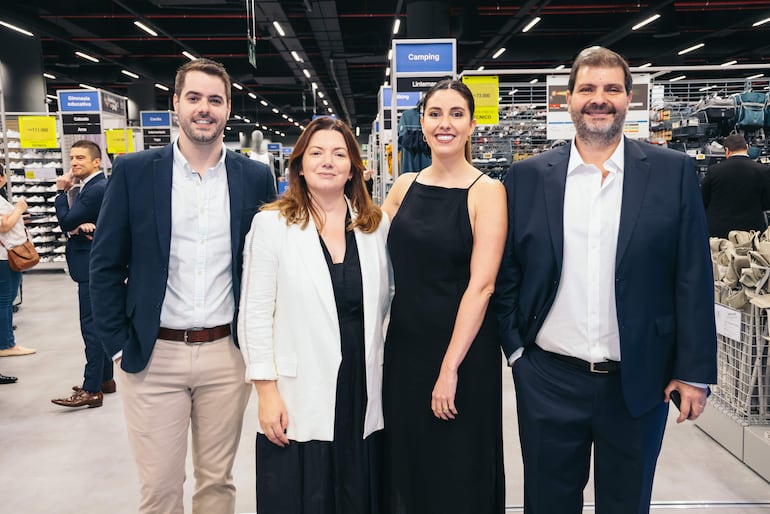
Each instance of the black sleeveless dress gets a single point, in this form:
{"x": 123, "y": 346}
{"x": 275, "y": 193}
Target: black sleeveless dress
{"x": 431, "y": 465}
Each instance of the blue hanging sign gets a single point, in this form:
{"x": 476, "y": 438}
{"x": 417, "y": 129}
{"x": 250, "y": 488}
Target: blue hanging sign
{"x": 79, "y": 101}
{"x": 424, "y": 58}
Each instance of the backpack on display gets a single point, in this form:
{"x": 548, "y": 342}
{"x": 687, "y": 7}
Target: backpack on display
{"x": 749, "y": 110}
{"x": 715, "y": 109}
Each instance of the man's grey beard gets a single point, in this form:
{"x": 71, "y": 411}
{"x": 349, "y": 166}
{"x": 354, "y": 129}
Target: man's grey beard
{"x": 599, "y": 138}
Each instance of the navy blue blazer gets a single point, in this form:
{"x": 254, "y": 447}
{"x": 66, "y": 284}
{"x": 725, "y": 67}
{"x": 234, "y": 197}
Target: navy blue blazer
{"x": 130, "y": 254}
{"x": 85, "y": 209}
{"x": 663, "y": 276}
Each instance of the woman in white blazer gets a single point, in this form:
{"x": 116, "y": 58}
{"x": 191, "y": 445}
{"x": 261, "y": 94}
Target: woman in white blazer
{"x": 314, "y": 304}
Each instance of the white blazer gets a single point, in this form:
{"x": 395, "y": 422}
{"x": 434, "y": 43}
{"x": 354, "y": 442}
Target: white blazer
{"x": 288, "y": 328}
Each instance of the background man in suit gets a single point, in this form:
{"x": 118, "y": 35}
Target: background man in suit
{"x": 78, "y": 222}
{"x": 605, "y": 300}
{"x": 736, "y": 191}
{"x": 165, "y": 282}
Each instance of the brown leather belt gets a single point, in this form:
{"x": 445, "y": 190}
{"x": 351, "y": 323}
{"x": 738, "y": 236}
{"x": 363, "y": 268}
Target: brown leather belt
{"x": 194, "y": 335}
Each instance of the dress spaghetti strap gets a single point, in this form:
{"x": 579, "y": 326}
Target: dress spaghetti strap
{"x": 474, "y": 181}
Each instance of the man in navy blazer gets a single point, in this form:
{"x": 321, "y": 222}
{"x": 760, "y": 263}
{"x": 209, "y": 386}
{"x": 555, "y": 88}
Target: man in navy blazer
{"x": 78, "y": 222}
{"x": 165, "y": 284}
{"x": 605, "y": 301}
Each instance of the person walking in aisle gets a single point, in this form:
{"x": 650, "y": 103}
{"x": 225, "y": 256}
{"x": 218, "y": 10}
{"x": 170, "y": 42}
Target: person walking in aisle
{"x": 78, "y": 221}
{"x": 12, "y": 233}
{"x": 442, "y": 388}
{"x": 736, "y": 191}
{"x": 316, "y": 293}
{"x": 165, "y": 279}
{"x": 605, "y": 300}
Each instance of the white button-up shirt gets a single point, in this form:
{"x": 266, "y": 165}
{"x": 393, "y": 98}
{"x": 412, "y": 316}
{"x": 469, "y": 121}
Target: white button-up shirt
{"x": 583, "y": 321}
{"x": 199, "y": 291}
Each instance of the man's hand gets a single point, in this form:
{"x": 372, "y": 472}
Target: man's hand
{"x": 66, "y": 181}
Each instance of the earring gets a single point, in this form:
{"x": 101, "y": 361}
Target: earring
{"x": 423, "y": 139}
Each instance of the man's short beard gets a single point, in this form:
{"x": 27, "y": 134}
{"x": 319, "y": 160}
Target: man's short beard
{"x": 599, "y": 138}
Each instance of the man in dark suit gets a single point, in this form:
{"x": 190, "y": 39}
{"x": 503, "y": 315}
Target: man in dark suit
{"x": 78, "y": 222}
{"x": 165, "y": 284}
{"x": 605, "y": 300}
{"x": 736, "y": 191}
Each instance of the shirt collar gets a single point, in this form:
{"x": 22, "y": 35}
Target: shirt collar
{"x": 614, "y": 164}
{"x": 88, "y": 178}
{"x": 181, "y": 163}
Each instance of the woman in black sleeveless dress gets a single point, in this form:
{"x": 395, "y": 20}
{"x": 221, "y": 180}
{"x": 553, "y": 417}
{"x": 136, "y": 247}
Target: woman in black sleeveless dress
{"x": 442, "y": 373}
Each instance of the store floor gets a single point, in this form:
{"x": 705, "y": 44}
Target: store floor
{"x": 66, "y": 461}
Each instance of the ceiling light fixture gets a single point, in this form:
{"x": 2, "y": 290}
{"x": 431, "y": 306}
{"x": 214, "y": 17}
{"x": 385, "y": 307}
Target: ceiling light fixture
{"x": 17, "y": 29}
{"x": 279, "y": 29}
{"x": 559, "y": 67}
{"x": 513, "y": 91}
{"x": 691, "y": 49}
{"x": 320, "y": 94}
{"x": 86, "y": 56}
{"x": 145, "y": 28}
{"x": 189, "y": 55}
{"x": 706, "y": 88}
{"x": 284, "y": 116}
{"x": 86, "y": 86}
{"x": 263, "y": 103}
{"x": 237, "y": 86}
{"x": 499, "y": 52}
{"x": 680, "y": 77}
{"x": 645, "y": 22}
{"x": 729, "y": 63}
{"x": 306, "y": 73}
{"x": 330, "y": 110}
{"x": 390, "y": 54}
{"x": 51, "y": 97}
{"x": 275, "y": 110}
{"x": 396, "y": 25}
{"x": 646, "y": 65}
{"x": 252, "y": 95}
{"x": 247, "y": 120}
{"x": 161, "y": 86}
{"x": 755, "y": 76}
{"x": 533, "y": 81}
{"x": 228, "y": 128}
{"x": 760, "y": 22}
{"x": 49, "y": 76}
{"x": 129, "y": 74}
{"x": 480, "y": 68}
{"x": 236, "y": 116}
{"x": 531, "y": 24}
{"x": 296, "y": 56}
{"x": 387, "y": 71}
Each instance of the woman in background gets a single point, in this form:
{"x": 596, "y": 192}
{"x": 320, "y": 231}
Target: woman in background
{"x": 442, "y": 389}
{"x": 12, "y": 233}
{"x": 316, "y": 292}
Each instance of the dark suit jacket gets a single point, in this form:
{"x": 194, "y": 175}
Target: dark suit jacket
{"x": 735, "y": 192}
{"x": 130, "y": 254}
{"x": 663, "y": 276}
{"x": 85, "y": 209}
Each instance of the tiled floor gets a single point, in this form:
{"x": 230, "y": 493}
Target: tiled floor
{"x": 56, "y": 460}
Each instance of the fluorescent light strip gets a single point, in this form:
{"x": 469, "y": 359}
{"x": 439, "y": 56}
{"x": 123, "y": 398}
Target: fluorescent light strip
{"x": 706, "y": 88}
{"x": 680, "y": 77}
{"x": 533, "y": 81}
{"x": 263, "y": 103}
{"x": 129, "y": 74}
{"x": 390, "y": 54}
{"x": 161, "y": 87}
{"x": 279, "y": 29}
{"x": 531, "y": 24}
{"x": 646, "y": 65}
{"x": 480, "y": 68}
{"x": 86, "y": 86}
{"x": 330, "y": 110}
{"x": 499, "y": 52}
{"x": 729, "y": 63}
{"x": 326, "y": 103}
{"x": 691, "y": 49}
{"x": 387, "y": 71}
{"x": 306, "y": 73}
{"x": 284, "y": 116}
{"x": 645, "y": 22}
{"x": 52, "y": 97}
{"x": 189, "y": 55}
{"x": 49, "y": 76}
{"x": 396, "y": 25}
{"x": 760, "y": 22}
{"x": 17, "y": 29}
{"x": 237, "y": 86}
{"x": 145, "y": 28}
{"x": 87, "y": 57}
{"x": 755, "y": 76}
{"x": 252, "y": 95}
{"x": 275, "y": 110}
{"x": 296, "y": 56}
{"x": 559, "y": 67}
{"x": 320, "y": 94}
